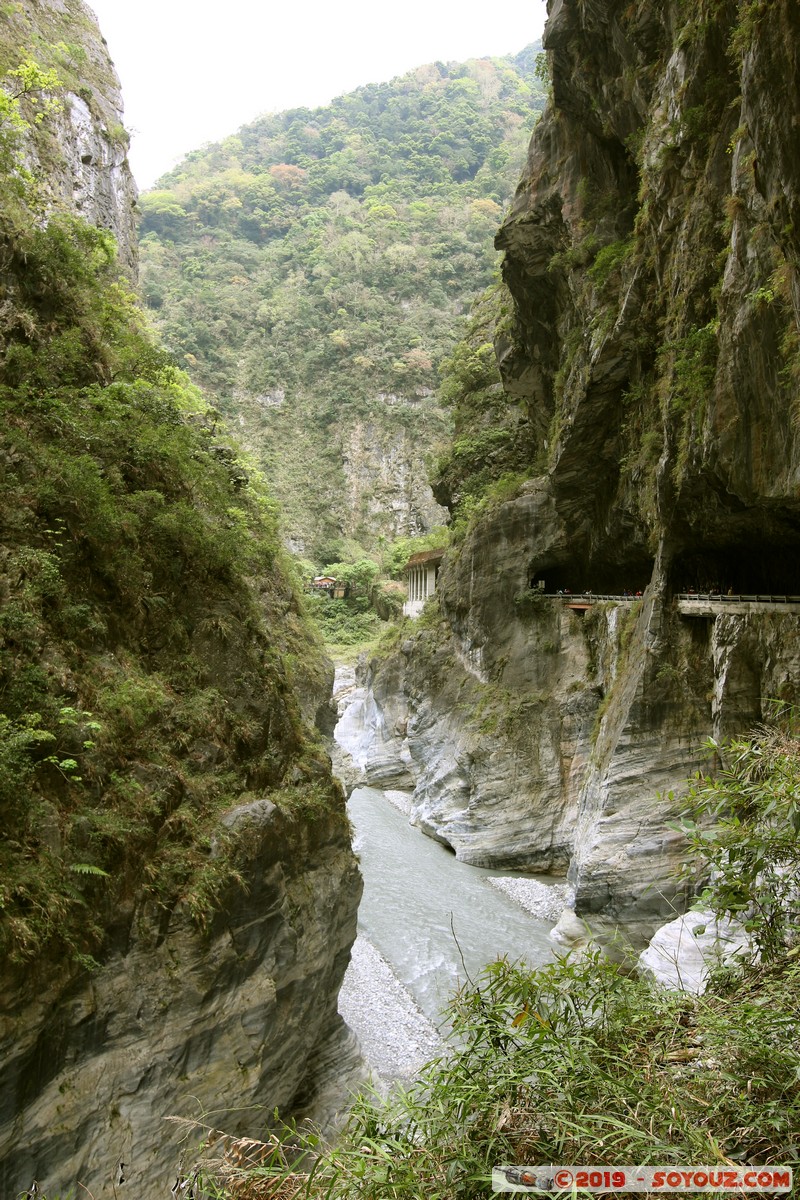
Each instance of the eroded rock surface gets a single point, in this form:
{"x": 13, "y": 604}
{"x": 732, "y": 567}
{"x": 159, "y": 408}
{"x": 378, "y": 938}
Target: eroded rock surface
{"x": 79, "y": 155}
{"x": 653, "y": 346}
{"x": 231, "y": 1022}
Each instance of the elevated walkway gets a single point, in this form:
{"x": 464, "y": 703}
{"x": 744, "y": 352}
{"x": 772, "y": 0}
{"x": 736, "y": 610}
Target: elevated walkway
{"x": 690, "y": 604}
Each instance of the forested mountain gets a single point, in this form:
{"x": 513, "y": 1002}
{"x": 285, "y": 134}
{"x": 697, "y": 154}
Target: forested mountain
{"x": 313, "y": 271}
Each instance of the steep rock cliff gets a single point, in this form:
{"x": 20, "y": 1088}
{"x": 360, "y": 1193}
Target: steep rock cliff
{"x": 367, "y": 478}
{"x": 178, "y": 893}
{"x": 652, "y": 350}
{"x": 234, "y": 1021}
{"x": 80, "y": 154}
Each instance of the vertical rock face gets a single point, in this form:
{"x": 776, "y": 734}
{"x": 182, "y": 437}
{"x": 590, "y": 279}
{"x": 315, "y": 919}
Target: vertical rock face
{"x": 230, "y": 1023}
{"x": 366, "y": 480}
{"x": 97, "y": 182}
{"x": 163, "y": 999}
{"x": 386, "y": 484}
{"x": 652, "y": 255}
{"x": 81, "y": 154}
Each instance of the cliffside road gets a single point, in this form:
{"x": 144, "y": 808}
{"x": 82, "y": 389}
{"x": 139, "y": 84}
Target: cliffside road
{"x": 689, "y": 604}
{"x": 711, "y": 605}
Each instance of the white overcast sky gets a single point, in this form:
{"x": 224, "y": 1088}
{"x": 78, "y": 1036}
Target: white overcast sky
{"x": 193, "y": 71}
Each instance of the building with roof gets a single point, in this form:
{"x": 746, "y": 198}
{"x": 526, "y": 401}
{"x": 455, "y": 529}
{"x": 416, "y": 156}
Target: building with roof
{"x": 421, "y": 573}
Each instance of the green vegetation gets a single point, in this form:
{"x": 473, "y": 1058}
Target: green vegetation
{"x": 497, "y": 711}
{"x": 148, "y": 633}
{"x": 25, "y": 102}
{"x": 398, "y": 552}
{"x": 311, "y": 273}
{"x": 750, "y": 14}
{"x": 29, "y": 85}
{"x": 374, "y": 595}
{"x": 531, "y": 602}
{"x": 492, "y": 448}
{"x": 608, "y": 262}
{"x": 350, "y": 620}
{"x": 744, "y": 829}
{"x": 583, "y": 1062}
{"x": 345, "y": 624}
{"x": 694, "y": 364}
{"x": 695, "y": 360}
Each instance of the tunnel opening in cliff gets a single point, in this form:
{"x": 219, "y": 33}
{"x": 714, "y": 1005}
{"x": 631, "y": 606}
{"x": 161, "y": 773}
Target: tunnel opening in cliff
{"x": 755, "y": 564}
{"x": 598, "y": 574}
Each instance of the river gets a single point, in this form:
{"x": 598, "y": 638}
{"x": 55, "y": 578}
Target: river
{"x": 427, "y": 923}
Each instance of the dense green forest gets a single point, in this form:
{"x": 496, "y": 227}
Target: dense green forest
{"x": 314, "y": 271}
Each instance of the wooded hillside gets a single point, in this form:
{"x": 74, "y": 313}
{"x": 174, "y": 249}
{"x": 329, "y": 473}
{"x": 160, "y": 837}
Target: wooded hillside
{"x": 313, "y": 272}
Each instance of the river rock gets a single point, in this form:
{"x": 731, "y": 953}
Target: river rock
{"x": 396, "y": 1037}
{"x": 570, "y": 933}
{"x": 683, "y": 953}
{"x": 544, "y": 900}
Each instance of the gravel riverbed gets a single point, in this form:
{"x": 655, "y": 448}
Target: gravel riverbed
{"x": 544, "y": 900}
{"x": 396, "y": 1037}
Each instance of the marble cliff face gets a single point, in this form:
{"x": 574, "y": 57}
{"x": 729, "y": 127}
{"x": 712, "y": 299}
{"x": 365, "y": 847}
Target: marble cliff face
{"x": 80, "y": 156}
{"x": 236, "y": 1018}
{"x": 652, "y": 356}
{"x": 234, "y": 1021}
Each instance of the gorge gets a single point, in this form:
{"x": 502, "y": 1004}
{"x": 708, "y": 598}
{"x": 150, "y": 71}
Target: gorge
{"x": 648, "y": 350}
{"x": 178, "y": 887}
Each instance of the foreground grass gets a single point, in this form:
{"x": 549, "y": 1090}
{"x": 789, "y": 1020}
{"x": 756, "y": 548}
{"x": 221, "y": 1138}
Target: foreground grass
{"x": 583, "y": 1062}
{"x": 576, "y": 1063}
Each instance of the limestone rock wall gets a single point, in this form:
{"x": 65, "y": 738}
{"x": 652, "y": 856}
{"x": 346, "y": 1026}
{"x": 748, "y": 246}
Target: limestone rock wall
{"x": 96, "y": 181}
{"x": 387, "y": 491}
{"x": 651, "y": 253}
{"x": 230, "y": 1022}
{"x": 367, "y": 479}
{"x": 80, "y": 153}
